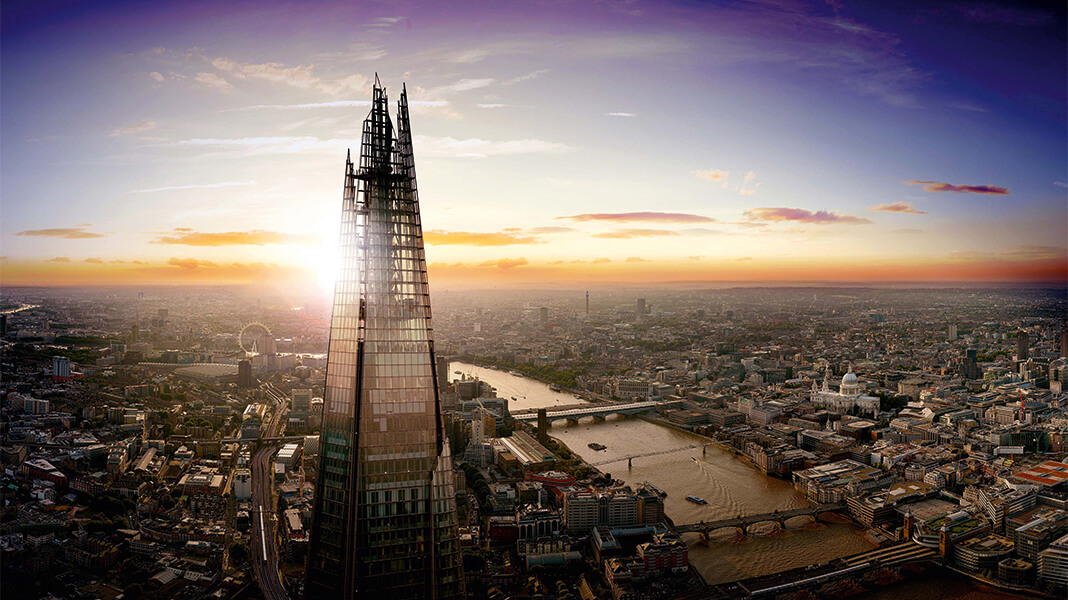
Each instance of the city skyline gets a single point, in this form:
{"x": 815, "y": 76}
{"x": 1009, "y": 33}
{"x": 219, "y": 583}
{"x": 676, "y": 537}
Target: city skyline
{"x": 616, "y": 143}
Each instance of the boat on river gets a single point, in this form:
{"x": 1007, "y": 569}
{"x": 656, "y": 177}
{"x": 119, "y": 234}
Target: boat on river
{"x": 555, "y": 387}
{"x": 596, "y": 446}
{"x": 696, "y": 500}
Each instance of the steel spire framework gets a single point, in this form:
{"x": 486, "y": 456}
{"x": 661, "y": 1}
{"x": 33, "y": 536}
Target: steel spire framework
{"x": 384, "y": 524}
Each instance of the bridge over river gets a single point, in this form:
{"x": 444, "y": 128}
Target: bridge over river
{"x": 572, "y": 413}
{"x": 743, "y": 523}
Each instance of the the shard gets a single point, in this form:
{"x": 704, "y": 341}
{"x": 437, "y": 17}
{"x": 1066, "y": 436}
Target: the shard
{"x": 385, "y": 521}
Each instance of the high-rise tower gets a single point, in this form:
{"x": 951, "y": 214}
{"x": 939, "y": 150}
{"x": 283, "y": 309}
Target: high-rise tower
{"x": 385, "y": 510}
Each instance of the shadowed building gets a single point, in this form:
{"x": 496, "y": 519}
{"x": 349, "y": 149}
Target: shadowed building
{"x": 385, "y": 510}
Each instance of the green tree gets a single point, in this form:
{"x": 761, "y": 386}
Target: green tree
{"x": 238, "y": 553}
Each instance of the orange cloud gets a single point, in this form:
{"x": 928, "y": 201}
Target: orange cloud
{"x": 800, "y": 215}
{"x": 255, "y": 237}
{"x": 712, "y": 174}
{"x": 551, "y": 229}
{"x": 636, "y": 259}
{"x": 898, "y": 207}
{"x": 651, "y": 217}
{"x": 71, "y": 233}
{"x": 505, "y": 263}
{"x": 190, "y": 263}
{"x": 59, "y": 259}
{"x": 438, "y": 237}
{"x": 626, "y": 234}
{"x": 937, "y": 186}
{"x": 95, "y": 261}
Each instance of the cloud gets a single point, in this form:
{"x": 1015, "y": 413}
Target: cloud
{"x": 620, "y": 114}
{"x": 712, "y": 175}
{"x": 72, "y": 233}
{"x": 599, "y": 261}
{"x": 255, "y": 237}
{"x": 385, "y": 22}
{"x": 137, "y": 127}
{"x": 195, "y": 186}
{"x": 352, "y": 83}
{"x": 898, "y": 207}
{"x": 467, "y": 56}
{"x": 1012, "y": 253}
{"x": 213, "y": 81}
{"x": 741, "y": 259}
{"x": 526, "y": 77}
{"x": 156, "y": 76}
{"x": 1029, "y": 252}
{"x": 505, "y": 263}
{"x": 749, "y": 176}
{"x": 438, "y": 237}
{"x": 463, "y": 85}
{"x": 479, "y": 148}
{"x": 190, "y": 263}
{"x": 1060, "y": 184}
{"x": 636, "y": 259}
{"x": 59, "y": 259}
{"x": 94, "y": 260}
{"x": 552, "y": 229}
{"x": 936, "y": 186}
{"x": 626, "y": 234}
{"x": 300, "y": 76}
{"x": 491, "y": 105}
{"x": 650, "y": 217}
{"x": 800, "y": 215}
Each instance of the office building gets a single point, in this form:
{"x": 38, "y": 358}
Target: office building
{"x": 301, "y": 399}
{"x": 244, "y": 374}
{"x": 384, "y": 524}
{"x": 1053, "y": 563}
{"x": 60, "y": 368}
{"x": 1022, "y": 346}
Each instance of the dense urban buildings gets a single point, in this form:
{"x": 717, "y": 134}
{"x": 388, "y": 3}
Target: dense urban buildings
{"x": 384, "y": 523}
{"x": 751, "y": 402}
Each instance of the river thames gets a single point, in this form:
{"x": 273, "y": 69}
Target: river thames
{"x": 731, "y": 486}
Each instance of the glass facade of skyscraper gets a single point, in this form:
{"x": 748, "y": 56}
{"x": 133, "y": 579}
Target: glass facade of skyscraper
{"x": 385, "y": 510}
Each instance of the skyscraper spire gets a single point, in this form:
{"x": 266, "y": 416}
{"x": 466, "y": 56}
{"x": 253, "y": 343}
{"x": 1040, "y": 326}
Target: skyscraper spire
{"x": 384, "y": 524}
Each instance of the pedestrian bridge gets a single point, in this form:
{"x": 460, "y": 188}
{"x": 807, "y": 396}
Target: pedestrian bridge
{"x": 743, "y": 523}
{"x": 599, "y": 410}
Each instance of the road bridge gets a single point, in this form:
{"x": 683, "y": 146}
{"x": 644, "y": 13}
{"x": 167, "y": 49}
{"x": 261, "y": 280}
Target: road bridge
{"x": 599, "y": 410}
{"x": 743, "y": 523}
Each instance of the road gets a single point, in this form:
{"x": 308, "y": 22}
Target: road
{"x": 264, "y": 551}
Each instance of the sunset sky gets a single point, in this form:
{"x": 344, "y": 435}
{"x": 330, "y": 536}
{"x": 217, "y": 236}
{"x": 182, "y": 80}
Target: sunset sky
{"x": 557, "y": 143}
